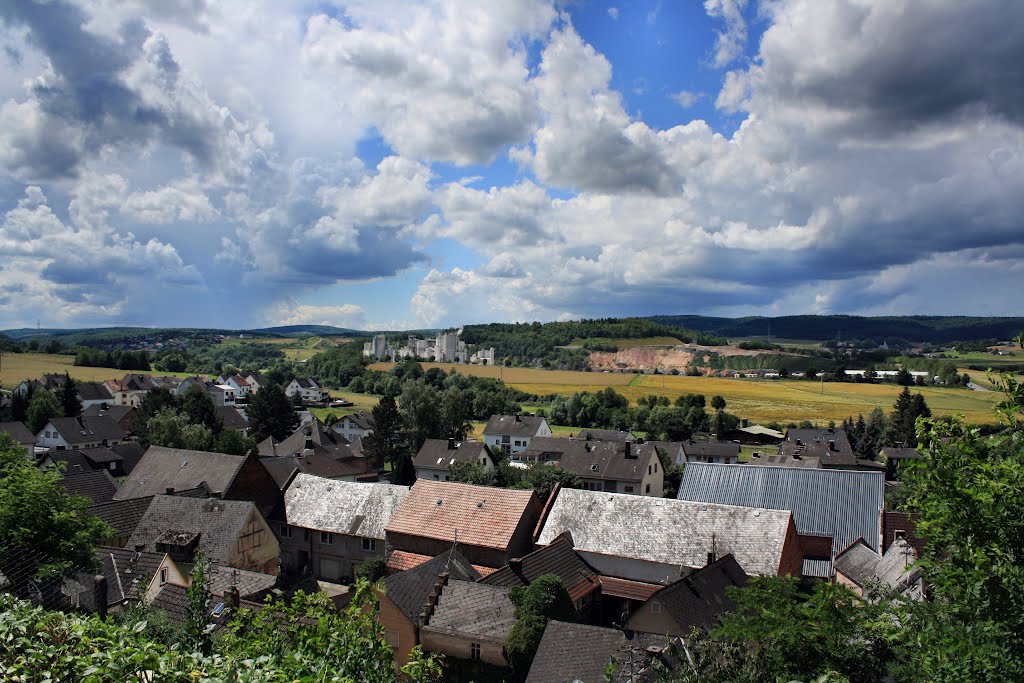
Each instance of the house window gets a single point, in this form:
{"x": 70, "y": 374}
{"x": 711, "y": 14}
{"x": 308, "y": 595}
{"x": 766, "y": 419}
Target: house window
{"x": 505, "y": 438}
{"x": 369, "y": 544}
{"x": 326, "y": 538}
{"x": 286, "y": 531}
{"x": 163, "y": 575}
{"x": 655, "y": 466}
{"x": 392, "y": 638}
{"x": 474, "y": 651}
{"x": 655, "y": 608}
{"x": 628, "y": 489}
{"x": 648, "y": 489}
{"x": 648, "y": 469}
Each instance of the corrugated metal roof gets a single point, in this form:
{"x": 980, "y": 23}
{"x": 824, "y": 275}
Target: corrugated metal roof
{"x": 843, "y": 504}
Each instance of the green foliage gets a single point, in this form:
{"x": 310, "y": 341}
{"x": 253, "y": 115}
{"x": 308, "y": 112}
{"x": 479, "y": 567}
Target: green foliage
{"x": 213, "y": 358}
{"x": 41, "y": 409}
{"x": 536, "y": 604}
{"x": 780, "y": 632}
{"x": 197, "y": 405}
{"x": 387, "y": 441}
{"x": 372, "y": 569}
{"x": 540, "y": 476}
{"x": 901, "y": 423}
{"x": 271, "y": 414}
{"x": 197, "y": 623}
{"x": 44, "y": 530}
{"x": 338, "y": 366}
{"x": 233, "y": 442}
{"x": 303, "y": 640}
{"x": 172, "y": 429}
{"x": 68, "y": 397}
{"x": 89, "y": 357}
{"x": 967, "y": 494}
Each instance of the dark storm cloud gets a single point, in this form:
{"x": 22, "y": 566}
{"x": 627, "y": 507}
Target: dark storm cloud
{"x": 935, "y": 62}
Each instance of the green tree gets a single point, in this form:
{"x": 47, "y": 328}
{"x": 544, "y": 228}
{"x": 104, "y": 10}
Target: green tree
{"x": 718, "y": 402}
{"x": 197, "y": 620}
{"x": 41, "y": 409}
{"x": 536, "y": 604}
{"x": 420, "y": 414}
{"x": 68, "y": 397}
{"x": 452, "y": 415}
{"x": 152, "y": 403}
{"x": 197, "y": 405}
{"x": 233, "y": 442}
{"x": 271, "y": 414}
{"x": 387, "y": 441}
{"x": 172, "y": 429}
{"x": 45, "y": 531}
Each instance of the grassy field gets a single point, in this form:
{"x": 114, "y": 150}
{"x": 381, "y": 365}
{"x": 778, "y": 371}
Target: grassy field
{"x": 543, "y": 380}
{"x": 16, "y": 367}
{"x": 294, "y": 349}
{"x": 986, "y": 360}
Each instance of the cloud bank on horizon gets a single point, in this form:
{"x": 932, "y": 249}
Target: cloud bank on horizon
{"x": 398, "y": 164}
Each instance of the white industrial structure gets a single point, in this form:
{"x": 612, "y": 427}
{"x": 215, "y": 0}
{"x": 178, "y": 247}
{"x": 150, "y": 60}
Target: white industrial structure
{"x": 447, "y": 347}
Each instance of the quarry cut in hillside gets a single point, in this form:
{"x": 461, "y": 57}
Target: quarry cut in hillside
{"x": 663, "y": 358}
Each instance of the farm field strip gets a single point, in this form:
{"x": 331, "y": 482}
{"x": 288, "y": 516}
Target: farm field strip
{"x": 21, "y": 366}
{"x": 529, "y": 376}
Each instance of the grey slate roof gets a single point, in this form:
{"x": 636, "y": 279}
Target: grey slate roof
{"x": 88, "y": 429}
{"x": 699, "y": 599}
{"x": 115, "y": 413}
{"x": 96, "y": 485}
{"x": 319, "y": 437}
{"x": 93, "y": 391}
{"x": 281, "y": 468}
{"x": 19, "y": 432}
{"x": 786, "y": 461}
{"x": 843, "y": 504}
{"x": 711, "y": 449}
{"x": 473, "y": 610}
{"x": 863, "y": 566}
{"x": 513, "y": 425}
{"x": 558, "y": 558}
{"x": 249, "y": 584}
{"x": 173, "y": 600}
{"x": 360, "y": 420}
{"x": 218, "y": 523}
{"x": 342, "y": 507}
{"x": 128, "y": 572}
{"x": 605, "y": 459}
{"x": 232, "y": 418}
{"x": 676, "y": 532}
{"x": 830, "y": 446}
{"x": 578, "y": 652}
{"x": 409, "y": 589}
{"x": 605, "y": 435}
{"x": 162, "y": 468}
{"x": 122, "y": 515}
{"x": 436, "y": 454}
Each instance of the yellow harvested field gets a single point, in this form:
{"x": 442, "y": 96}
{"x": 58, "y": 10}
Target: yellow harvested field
{"x": 523, "y": 377}
{"x": 758, "y": 400}
{"x": 784, "y": 401}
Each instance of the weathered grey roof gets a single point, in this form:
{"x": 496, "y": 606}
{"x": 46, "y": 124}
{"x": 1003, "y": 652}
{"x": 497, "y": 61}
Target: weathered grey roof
{"x": 122, "y": 515}
{"x": 248, "y": 583}
{"x": 128, "y": 572}
{"x": 473, "y": 610}
{"x": 863, "y": 565}
{"x": 409, "y": 589}
{"x": 676, "y": 532}
{"x": 342, "y": 507}
{"x": 96, "y": 485}
{"x": 605, "y": 459}
{"x": 162, "y": 468}
{"x": 19, "y": 432}
{"x": 699, "y": 599}
{"x": 605, "y": 435}
{"x": 313, "y": 435}
{"x": 436, "y": 454}
{"x": 93, "y": 391}
{"x": 806, "y": 462}
{"x": 843, "y": 504}
{"x": 892, "y": 453}
{"x": 219, "y": 523}
{"x": 558, "y": 558}
{"x": 831, "y": 446}
{"x": 88, "y": 429}
{"x": 281, "y": 468}
{"x": 579, "y": 652}
{"x": 514, "y": 425}
{"x": 232, "y": 418}
{"x": 172, "y": 599}
{"x": 360, "y": 420}
{"x": 711, "y": 449}
{"x": 858, "y": 562}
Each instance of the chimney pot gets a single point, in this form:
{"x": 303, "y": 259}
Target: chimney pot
{"x": 451, "y": 444}
{"x": 711, "y": 558}
{"x": 170, "y": 491}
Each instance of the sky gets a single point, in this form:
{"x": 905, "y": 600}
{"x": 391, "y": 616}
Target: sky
{"x": 397, "y": 164}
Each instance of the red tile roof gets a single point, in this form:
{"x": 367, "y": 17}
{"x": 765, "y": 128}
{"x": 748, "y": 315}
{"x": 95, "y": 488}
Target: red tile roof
{"x": 482, "y": 515}
{"x": 632, "y": 590}
{"x": 400, "y": 561}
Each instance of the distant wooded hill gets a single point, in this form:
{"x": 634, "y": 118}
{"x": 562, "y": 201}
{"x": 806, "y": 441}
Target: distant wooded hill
{"x": 917, "y": 328}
